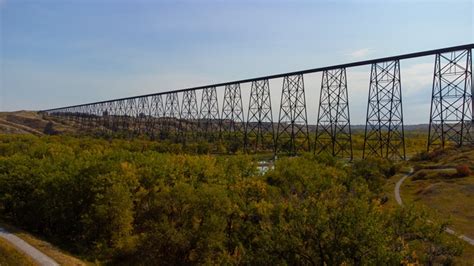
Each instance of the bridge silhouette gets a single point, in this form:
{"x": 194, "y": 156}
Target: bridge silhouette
{"x": 164, "y": 116}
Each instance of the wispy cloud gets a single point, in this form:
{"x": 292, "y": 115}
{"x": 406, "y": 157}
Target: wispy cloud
{"x": 360, "y": 53}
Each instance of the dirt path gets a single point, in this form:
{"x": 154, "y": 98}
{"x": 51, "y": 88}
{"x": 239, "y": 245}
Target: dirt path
{"x": 399, "y": 201}
{"x": 397, "y": 187}
{"x": 26, "y": 248}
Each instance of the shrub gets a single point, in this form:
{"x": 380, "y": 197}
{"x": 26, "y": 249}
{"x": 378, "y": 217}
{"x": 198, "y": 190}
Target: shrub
{"x": 49, "y": 129}
{"x": 463, "y": 170}
{"x": 420, "y": 175}
{"x": 125, "y": 202}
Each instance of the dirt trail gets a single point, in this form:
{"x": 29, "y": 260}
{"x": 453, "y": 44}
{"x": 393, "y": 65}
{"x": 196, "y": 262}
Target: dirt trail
{"x": 28, "y": 249}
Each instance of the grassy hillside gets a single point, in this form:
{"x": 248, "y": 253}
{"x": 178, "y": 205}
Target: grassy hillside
{"x": 444, "y": 182}
{"x": 30, "y": 122}
{"x": 438, "y": 184}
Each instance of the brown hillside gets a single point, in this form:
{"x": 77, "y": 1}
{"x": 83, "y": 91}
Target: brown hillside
{"x": 28, "y": 122}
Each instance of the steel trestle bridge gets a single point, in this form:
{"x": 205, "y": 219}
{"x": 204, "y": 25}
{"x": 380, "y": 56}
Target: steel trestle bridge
{"x": 180, "y": 116}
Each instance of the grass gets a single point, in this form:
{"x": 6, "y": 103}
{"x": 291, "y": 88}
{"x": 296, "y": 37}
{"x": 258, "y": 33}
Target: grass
{"x": 436, "y": 185}
{"x": 60, "y": 256}
{"x": 9, "y": 255}
{"x": 451, "y": 198}
{"x": 448, "y": 198}
{"x": 467, "y": 257}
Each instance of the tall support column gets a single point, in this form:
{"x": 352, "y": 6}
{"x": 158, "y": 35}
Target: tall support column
{"x": 189, "y": 115}
{"x": 102, "y": 116}
{"x": 96, "y": 117}
{"x": 171, "y": 123}
{"x": 121, "y": 115}
{"x": 157, "y": 112}
{"x": 131, "y": 115}
{"x": 76, "y": 117}
{"x": 84, "y": 114}
{"x": 141, "y": 115}
{"x": 232, "y": 111}
{"x": 90, "y": 116}
{"x": 209, "y": 116}
{"x": 81, "y": 117}
{"x": 333, "y": 129}
{"x": 292, "y": 133}
{"x": 93, "y": 117}
{"x": 67, "y": 115}
{"x": 72, "y": 116}
{"x": 384, "y": 132}
{"x": 451, "y": 116}
{"x": 109, "y": 117}
{"x": 116, "y": 120}
{"x": 259, "y": 130}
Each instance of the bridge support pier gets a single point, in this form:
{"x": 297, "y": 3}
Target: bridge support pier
{"x": 170, "y": 123}
{"x": 112, "y": 118}
{"x": 131, "y": 110}
{"x": 85, "y": 117}
{"x": 259, "y": 130}
{"x": 451, "y": 115}
{"x": 292, "y": 131}
{"x": 189, "y": 116}
{"x": 232, "y": 123}
{"x": 101, "y": 116}
{"x": 141, "y": 113}
{"x": 209, "y": 113}
{"x": 157, "y": 112}
{"x": 384, "y": 132}
{"x": 333, "y": 129}
{"x": 121, "y": 116}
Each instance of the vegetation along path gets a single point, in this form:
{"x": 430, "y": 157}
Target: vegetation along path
{"x": 398, "y": 198}
{"x": 20, "y": 244}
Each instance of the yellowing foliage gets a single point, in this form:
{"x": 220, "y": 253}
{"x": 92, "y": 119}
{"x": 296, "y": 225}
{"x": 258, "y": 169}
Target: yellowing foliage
{"x": 129, "y": 202}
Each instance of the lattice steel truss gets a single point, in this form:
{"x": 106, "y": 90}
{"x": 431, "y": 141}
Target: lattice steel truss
{"x": 102, "y": 116}
{"x": 232, "y": 110}
{"x": 292, "y": 132}
{"x": 259, "y": 131}
{"x": 157, "y": 111}
{"x": 170, "y": 121}
{"x": 209, "y": 113}
{"x": 451, "y": 116}
{"x": 112, "y": 121}
{"x": 130, "y": 116}
{"x": 142, "y": 115}
{"x": 333, "y": 129}
{"x": 384, "y": 132}
{"x": 121, "y": 116}
{"x": 189, "y": 115}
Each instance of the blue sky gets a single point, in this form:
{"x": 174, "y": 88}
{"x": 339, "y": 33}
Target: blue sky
{"x": 56, "y": 53}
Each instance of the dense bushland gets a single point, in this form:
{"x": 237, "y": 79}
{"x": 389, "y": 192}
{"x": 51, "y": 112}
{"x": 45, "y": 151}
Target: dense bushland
{"x": 139, "y": 202}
